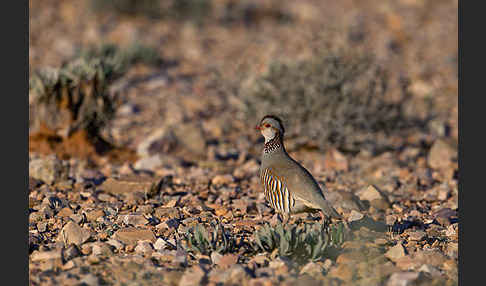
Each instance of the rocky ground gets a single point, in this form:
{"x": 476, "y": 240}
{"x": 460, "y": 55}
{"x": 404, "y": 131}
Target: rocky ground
{"x": 186, "y": 153}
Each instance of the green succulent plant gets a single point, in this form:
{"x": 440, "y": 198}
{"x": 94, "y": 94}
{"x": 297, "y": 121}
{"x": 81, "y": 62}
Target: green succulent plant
{"x": 300, "y": 243}
{"x": 201, "y": 240}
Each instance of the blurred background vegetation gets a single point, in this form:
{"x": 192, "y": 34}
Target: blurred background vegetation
{"x": 354, "y": 75}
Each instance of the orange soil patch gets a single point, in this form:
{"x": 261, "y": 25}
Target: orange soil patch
{"x": 79, "y": 145}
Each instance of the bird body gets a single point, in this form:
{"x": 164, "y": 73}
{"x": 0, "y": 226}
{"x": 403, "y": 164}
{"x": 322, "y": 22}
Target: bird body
{"x": 288, "y": 186}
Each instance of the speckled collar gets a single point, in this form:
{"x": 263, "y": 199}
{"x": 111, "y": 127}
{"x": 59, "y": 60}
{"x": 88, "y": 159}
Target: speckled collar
{"x": 274, "y": 144}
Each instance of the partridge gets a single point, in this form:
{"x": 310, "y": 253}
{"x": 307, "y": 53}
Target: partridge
{"x": 288, "y": 187}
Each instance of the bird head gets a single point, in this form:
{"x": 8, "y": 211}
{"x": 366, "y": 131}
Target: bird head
{"x": 270, "y": 126}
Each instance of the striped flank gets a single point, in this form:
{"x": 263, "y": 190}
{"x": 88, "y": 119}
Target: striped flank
{"x": 276, "y": 192}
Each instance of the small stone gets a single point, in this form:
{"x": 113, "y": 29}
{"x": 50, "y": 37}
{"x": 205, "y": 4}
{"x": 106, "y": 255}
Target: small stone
{"x": 68, "y": 265}
{"x": 280, "y": 266}
{"x": 34, "y": 183}
{"x": 430, "y": 269}
{"x": 261, "y": 259}
{"x": 441, "y": 155}
{"x": 101, "y": 248}
{"x": 216, "y": 257}
{"x": 222, "y": 180}
{"x": 77, "y": 218}
{"x": 402, "y": 278}
{"x": 49, "y": 169}
{"x": 127, "y": 185}
{"x": 115, "y": 243}
{"x": 192, "y": 276}
{"x": 452, "y": 250}
{"x": 354, "y": 216}
{"x": 432, "y": 257}
{"x": 417, "y": 235}
{"x": 145, "y": 209}
{"x": 133, "y": 219}
{"x": 71, "y": 252}
{"x": 335, "y": 160}
{"x": 86, "y": 249}
{"x": 218, "y": 276}
{"x": 73, "y": 233}
{"x": 160, "y": 244}
{"x": 94, "y": 215}
{"x": 380, "y": 241}
{"x": 90, "y": 280}
{"x": 131, "y": 235}
{"x": 106, "y": 198}
{"x": 128, "y": 109}
{"x": 390, "y": 219}
{"x": 342, "y": 271}
{"x": 313, "y": 269}
{"x": 36, "y": 216}
{"x": 446, "y": 213}
{"x": 46, "y": 255}
{"x": 180, "y": 257}
{"x": 235, "y": 275}
{"x": 42, "y": 226}
{"x": 161, "y": 141}
{"x": 327, "y": 264}
{"x": 226, "y": 260}
{"x": 395, "y": 252}
{"x": 143, "y": 246}
{"x": 148, "y": 163}
{"x": 369, "y": 194}
{"x": 167, "y": 212}
{"x": 191, "y": 138}
{"x": 261, "y": 281}
{"x": 351, "y": 257}
{"x": 65, "y": 212}
{"x": 238, "y": 274}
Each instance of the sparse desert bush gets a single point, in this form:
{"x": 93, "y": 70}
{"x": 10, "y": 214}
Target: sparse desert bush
{"x": 300, "y": 243}
{"x": 204, "y": 240}
{"x": 75, "y": 96}
{"x": 335, "y": 98}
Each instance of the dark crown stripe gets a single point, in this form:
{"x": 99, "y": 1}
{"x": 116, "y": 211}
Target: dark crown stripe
{"x": 275, "y": 118}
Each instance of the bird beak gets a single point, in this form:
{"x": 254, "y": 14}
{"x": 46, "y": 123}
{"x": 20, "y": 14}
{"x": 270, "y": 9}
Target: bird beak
{"x": 258, "y": 127}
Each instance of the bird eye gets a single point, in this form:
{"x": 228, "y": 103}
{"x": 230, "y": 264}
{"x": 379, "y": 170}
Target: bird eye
{"x": 267, "y": 125}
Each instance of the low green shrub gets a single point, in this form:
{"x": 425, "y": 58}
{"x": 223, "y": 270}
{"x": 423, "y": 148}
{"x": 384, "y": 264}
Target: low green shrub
{"x": 200, "y": 239}
{"x": 299, "y": 243}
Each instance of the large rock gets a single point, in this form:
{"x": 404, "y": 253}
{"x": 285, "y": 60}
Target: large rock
{"x": 48, "y": 169}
